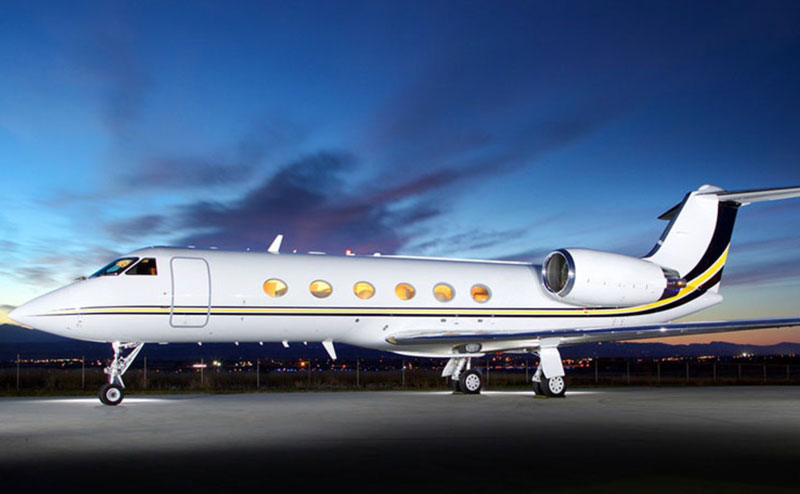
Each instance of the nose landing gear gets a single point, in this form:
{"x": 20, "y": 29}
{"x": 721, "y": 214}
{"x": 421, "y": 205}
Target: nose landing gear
{"x": 113, "y": 392}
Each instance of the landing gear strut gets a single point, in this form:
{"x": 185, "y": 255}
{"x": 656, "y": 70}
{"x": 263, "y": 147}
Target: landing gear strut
{"x": 113, "y": 392}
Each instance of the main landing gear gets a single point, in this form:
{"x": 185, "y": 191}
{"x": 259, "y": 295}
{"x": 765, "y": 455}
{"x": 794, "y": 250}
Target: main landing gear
{"x": 113, "y": 392}
{"x": 468, "y": 381}
{"x": 554, "y": 387}
{"x": 548, "y": 380}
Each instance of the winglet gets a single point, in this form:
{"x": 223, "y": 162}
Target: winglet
{"x": 275, "y": 246}
{"x": 328, "y": 344}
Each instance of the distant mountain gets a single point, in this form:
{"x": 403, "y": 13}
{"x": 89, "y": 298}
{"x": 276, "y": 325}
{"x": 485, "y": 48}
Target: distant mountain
{"x": 32, "y": 343}
{"x": 10, "y": 333}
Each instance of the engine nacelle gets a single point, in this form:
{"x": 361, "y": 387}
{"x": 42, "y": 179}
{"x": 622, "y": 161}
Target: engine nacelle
{"x": 591, "y": 278}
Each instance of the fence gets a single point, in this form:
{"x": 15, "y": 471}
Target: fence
{"x": 26, "y": 376}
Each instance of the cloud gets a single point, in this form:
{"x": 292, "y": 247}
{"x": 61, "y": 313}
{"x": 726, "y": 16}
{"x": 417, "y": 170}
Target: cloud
{"x": 8, "y": 247}
{"x": 776, "y": 273}
{"x": 235, "y": 163}
{"x": 534, "y": 255}
{"x": 311, "y": 201}
{"x": 134, "y": 228}
{"x": 186, "y": 171}
{"x": 109, "y": 56}
{"x": 478, "y": 238}
{"x": 37, "y": 275}
{"x": 320, "y": 201}
{"x": 473, "y": 105}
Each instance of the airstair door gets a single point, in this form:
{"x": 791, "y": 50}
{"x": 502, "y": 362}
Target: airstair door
{"x": 191, "y": 292}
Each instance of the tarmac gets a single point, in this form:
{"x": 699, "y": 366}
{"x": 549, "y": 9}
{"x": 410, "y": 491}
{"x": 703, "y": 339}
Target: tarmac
{"x": 691, "y": 439}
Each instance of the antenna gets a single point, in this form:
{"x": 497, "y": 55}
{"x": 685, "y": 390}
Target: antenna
{"x": 275, "y": 246}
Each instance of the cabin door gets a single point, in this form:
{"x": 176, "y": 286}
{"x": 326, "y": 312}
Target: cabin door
{"x": 191, "y": 292}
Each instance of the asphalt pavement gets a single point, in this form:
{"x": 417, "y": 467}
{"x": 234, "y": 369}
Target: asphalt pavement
{"x": 692, "y": 439}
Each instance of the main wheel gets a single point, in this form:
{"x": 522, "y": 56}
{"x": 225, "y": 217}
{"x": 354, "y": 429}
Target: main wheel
{"x": 538, "y": 388}
{"x": 456, "y": 385}
{"x": 470, "y": 382}
{"x": 555, "y": 387}
{"x": 111, "y": 394}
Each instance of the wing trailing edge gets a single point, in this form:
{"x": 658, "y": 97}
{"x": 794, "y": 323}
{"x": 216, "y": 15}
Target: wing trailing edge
{"x": 526, "y": 339}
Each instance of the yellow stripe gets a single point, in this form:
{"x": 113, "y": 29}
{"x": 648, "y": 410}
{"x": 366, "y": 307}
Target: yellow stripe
{"x": 688, "y": 289}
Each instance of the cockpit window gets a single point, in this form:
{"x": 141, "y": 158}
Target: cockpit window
{"x": 145, "y": 267}
{"x": 114, "y": 268}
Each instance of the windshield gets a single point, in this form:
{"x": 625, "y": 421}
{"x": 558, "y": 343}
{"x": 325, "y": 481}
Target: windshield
{"x": 115, "y": 267}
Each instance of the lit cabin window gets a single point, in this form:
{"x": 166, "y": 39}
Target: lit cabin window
{"x": 480, "y": 293}
{"x": 363, "y": 290}
{"x": 404, "y": 291}
{"x": 145, "y": 267}
{"x": 320, "y": 288}
{"x": 275, "y": 287}
{"x": 116, "y": 267}
{"x": 443, "y": 292}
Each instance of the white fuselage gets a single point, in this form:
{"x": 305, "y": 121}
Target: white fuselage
{"x": 218, "y": 296}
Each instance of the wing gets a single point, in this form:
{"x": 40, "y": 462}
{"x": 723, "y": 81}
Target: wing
{"x": 491, "y": 341}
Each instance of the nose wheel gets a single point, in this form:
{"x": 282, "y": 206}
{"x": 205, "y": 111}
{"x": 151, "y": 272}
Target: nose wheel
{"x": 112, "y": 393}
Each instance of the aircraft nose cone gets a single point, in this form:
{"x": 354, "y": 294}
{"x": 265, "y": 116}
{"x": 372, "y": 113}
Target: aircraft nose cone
{"x": 19, "y": 315}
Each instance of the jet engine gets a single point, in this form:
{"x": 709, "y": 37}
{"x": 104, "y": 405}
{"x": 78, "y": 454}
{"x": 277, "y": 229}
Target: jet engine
{"x": 591, "y": 278}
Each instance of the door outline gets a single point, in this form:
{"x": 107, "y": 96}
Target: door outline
{"x": 172, "y": 301}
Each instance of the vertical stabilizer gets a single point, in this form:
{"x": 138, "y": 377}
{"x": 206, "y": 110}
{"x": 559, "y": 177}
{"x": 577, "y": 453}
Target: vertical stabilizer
{"x": 698, "y": 235}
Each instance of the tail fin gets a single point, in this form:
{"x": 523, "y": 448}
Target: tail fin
{"x": 699, "y": 233}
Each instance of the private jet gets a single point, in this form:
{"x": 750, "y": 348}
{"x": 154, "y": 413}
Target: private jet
{"x": 453, "y": 309}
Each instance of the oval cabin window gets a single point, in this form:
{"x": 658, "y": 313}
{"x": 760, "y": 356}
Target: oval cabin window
{"x": 480, "y": 293}
{"x": 275, "y": 287}
{"x": 363, "y": 290}
{"x": 443, "y": 292}
{"x": 404, "y": 291}
{"x": 320, "y": 288}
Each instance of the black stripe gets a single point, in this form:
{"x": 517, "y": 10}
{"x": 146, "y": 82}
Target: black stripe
{"x": 726, "y": 217}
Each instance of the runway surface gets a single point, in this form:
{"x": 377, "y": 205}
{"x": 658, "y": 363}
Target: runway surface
{"x": 734, "y": 439}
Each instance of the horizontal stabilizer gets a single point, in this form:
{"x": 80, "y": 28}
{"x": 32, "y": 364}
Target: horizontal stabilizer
{"x": 745, "y": 197}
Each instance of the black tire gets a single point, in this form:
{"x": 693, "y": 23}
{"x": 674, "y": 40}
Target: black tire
{"x": 470, "y": 382}
{"x": 555, "y": 387}
{"x": 456, "y": 385}
{"x": 538, "y": 388}
{"x": 111, "y": 394}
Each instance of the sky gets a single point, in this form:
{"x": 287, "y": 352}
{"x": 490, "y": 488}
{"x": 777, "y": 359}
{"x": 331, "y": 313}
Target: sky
{"x": 491, "y": 130}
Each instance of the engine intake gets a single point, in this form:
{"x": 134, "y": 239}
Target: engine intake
{"x": 591, "y": 278}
